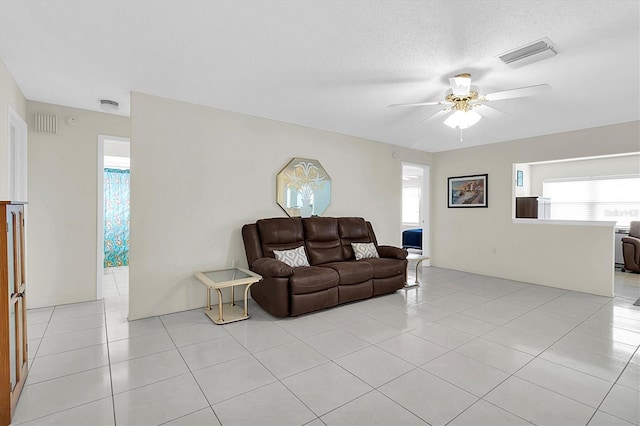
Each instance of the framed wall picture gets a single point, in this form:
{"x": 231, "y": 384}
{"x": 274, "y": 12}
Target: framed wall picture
{"x": 519, "y": 177}
{"x": 468, "y": 191}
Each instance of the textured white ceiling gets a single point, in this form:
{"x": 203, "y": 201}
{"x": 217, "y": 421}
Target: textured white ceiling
{"x": 333, "y": 65}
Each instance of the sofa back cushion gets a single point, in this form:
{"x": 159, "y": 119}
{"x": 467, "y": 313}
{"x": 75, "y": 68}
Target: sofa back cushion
{"x": 352, "y": 230}
{"x": 282, "y": 233}
{"x": 252, "y": 245}
{"x": 323, "y": 240}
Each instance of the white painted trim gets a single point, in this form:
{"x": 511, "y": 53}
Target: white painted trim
{"x": 100, "y": 217}
{"x": 426, "y": 219}
{"x": 610, "y": 224}
{"x": 593, "y": 157}
{"x": 17, "y": 170}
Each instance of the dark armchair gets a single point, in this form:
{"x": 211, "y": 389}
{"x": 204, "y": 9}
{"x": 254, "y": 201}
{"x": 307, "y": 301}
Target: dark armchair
{"x": 631, "y": 248}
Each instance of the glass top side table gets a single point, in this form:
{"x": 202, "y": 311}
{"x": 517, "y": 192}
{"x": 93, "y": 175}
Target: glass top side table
{"x": 223, "y": 278}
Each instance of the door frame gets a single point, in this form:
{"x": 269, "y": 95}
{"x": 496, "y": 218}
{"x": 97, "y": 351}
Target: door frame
{"x": 17, "y": 167}
{"x": 425, "y": 207}
{"x": 100, "y": 208}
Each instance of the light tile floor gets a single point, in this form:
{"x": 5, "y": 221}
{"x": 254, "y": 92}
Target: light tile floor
{"x": 462, "y": 349}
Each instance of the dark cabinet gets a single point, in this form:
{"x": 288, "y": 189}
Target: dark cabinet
{"x": 533, "y": 208}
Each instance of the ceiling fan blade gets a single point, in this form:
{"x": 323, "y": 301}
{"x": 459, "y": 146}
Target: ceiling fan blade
{"x": 487, "y": 111}
{"x": 419, "y": 104}
{"x": 517, "y": 93}
{"x": 436, "y": 115}
{"x": 460, "y": 84}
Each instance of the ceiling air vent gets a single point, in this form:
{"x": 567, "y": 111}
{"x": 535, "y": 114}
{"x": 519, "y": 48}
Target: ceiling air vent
{"x": 534, "y": 52}
{"x": 46, "y": 123}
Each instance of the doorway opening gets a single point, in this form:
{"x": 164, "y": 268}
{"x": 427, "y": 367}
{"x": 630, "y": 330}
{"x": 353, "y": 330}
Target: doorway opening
{"x": 415, "y": 209}
{"x": 113, "y": 188}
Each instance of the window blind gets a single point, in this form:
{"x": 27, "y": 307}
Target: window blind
{"x": 598, "y": 199}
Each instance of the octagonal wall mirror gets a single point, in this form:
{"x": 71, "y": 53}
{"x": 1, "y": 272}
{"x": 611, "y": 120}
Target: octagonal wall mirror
{"x": 303, "y": 188}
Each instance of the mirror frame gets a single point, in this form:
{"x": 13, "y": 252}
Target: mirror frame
{"x": 303, "y": 188}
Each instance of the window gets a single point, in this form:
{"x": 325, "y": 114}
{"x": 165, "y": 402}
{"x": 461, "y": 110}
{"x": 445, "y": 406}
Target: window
{"x": 411, "y": 197}
{"x": 412, "y": 186}
{"x": 614, "y": 198}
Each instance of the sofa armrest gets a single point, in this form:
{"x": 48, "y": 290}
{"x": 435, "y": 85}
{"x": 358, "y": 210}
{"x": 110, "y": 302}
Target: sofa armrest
{"x": 635, "y": 242}
{"x": 392, "y": 252}
{"x": 272, "y": 268}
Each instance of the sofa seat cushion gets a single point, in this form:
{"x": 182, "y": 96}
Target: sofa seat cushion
{"x": 311, "y": 279}
{"x": 351, "y": 272}
{"x": 384, "y": 268}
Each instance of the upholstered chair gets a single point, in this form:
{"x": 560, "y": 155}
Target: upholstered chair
{"x": 631, "y": 248}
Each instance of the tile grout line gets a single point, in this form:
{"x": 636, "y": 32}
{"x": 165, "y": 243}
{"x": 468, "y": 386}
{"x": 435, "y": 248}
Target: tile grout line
{"x": 190, "y": 372}
{"x": 527, "y": 363}
{"x": 611, "y": 388}
{"x": 41, "y": 337}
{"x": 249, "y": 352}
{"x": 276, "y": 377}
{"x": 534, "y": 356}
{"x": 474, "y": 339}
{"x": 66, "y": 375}
{"x": 113, "y": 397}
{"x": 512, "y": 374}
{"x": 537, "y": 356}
{"x": 480, "y": 336}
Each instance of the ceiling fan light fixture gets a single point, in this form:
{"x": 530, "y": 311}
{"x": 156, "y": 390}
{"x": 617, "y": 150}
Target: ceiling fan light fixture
{"x": 462, "y": 119}
{"x": 461, "y": 84}
{"x": 462, "y": 99}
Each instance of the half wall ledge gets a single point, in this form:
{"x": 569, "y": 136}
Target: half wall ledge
{"x": 575, "y": 255}
{"x": 610, "y": 224}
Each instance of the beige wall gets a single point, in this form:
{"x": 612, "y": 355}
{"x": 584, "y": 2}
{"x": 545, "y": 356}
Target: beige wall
{"x": 609, "y": 166}
{"x": 486, "y": 241}
{"x": 198, "y": 174}
{"x": 63, "y": 171}
{"x": 116, "y": 148}
{"x": 10, "y": 95}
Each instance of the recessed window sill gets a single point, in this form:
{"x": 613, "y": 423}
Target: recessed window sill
{"x": 610, "y": 224}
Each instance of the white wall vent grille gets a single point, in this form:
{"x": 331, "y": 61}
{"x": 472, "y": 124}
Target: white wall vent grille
{"x": 537, "y": 51}
{"x": 46, "y": 123}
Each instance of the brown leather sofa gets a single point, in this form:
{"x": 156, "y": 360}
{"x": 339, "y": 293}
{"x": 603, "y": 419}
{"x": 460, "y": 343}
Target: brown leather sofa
{"x": 631, "y": 248}
{"x": 333, "y": 277}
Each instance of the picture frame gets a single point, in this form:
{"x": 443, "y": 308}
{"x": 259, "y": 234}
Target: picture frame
{"x": 468, "y": 191}
{"x": 519, "y": 178}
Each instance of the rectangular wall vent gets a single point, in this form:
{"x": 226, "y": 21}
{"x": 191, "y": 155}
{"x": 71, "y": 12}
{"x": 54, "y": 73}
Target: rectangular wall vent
{"x": 537, "y": 51}
{"x": 46, "y": 123}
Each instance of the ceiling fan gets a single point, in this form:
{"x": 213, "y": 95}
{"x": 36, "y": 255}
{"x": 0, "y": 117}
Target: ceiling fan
{"x": 468, "y": 105}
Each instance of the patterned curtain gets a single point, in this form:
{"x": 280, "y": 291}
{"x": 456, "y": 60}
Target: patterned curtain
{"x": 116, "y": 217}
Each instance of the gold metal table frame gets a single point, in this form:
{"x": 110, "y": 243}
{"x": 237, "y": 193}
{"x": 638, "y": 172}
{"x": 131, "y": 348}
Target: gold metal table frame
{"x": 223, "y": 278}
